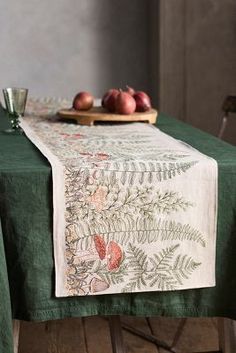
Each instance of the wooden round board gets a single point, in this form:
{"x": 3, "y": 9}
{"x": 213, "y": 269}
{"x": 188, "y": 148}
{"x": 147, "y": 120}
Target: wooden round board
{"x": 99, "y": 114}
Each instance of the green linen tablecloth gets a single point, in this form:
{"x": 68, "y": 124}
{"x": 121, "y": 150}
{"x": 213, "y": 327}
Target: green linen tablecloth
{"x": 26, "y": 214}
{"x": 6, "y": 339}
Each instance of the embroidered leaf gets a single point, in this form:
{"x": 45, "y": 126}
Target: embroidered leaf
{"x": 150, "y": 177}
{"x": 161, "y": 260}
{"x": 169, "y": 170}
{"x": 141, "y": 178}
{"x": 171, "y": 230}
{"x": 113, "y": 178}
{"x": 133, "y": 166}
{"x": 163, "y": 282}
{"x": 162, "y": 171}
{"x": 132, "y": 179}
{"x": 111, "y": 277}
{"x": 137, "y": 263}
{"x": 174, "y": 274}
{"x": 142, "y": 166}
{"x": 135, "y": 203}
{"x": 151, "y": 166}
{"x": 116, "y": 166}
{"x": 144, "y": 231}
{"x": 123, "y": 177}
{"x": 138, "y": 266}
{"x": 183, "y": 267}
{"x": 164, "y": 274}
{"x": 137, "y": 257}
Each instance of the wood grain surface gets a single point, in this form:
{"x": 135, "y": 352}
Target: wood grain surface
{"x": 88, "y": 117}
{"x": 92, "y": 335}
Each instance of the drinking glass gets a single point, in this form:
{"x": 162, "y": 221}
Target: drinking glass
{"x": 15, "y": 101}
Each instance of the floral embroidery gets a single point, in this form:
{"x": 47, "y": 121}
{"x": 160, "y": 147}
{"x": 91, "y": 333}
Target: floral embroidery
{"x": 122, "y": 214}
{"x": 98, "y": 199}
{"x": 95, "y": 157}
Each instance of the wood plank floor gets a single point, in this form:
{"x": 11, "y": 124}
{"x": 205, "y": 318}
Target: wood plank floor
{"x": 91, "y": 335}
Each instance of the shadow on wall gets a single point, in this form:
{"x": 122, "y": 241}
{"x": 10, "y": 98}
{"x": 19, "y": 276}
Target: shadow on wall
{"x": 63, "y": 47}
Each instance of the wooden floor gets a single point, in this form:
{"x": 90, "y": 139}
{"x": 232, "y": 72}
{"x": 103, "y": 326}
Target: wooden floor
{"x": 91, "y": 335}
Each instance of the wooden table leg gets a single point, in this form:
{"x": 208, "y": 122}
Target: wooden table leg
{"x": 16, "y": 334}
{"x": 148, "y": 337}
{"x": 227, "y": 335}
{"x": 116, "y": 334}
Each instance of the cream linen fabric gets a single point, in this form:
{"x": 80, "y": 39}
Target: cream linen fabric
{"x": 134, "y": 209}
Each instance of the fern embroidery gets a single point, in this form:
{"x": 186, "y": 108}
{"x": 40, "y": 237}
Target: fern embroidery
{"x": 161, "y": 171}
{"x": 144, "y": 231}
{"x": 159, "y": 270}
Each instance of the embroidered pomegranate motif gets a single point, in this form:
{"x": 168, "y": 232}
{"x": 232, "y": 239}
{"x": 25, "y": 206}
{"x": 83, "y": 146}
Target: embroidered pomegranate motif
{"x": 114, "y": 256}
{"x": 100, "y": 246}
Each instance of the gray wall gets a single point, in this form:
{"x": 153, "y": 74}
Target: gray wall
{"x": 197, "y": 68}
{"x": 59, "y": 47}
{"x": 181, "y": 51}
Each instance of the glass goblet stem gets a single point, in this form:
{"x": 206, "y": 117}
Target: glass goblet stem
{"x": 15, "y": 121}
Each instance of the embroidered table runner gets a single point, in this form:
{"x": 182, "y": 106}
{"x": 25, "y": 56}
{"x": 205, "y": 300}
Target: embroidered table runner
{"x": 134, "y": 209}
